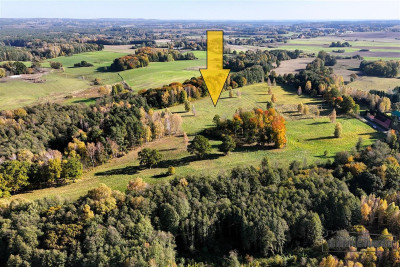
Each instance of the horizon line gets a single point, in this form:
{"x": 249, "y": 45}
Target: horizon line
{"x": 211, "y": 20}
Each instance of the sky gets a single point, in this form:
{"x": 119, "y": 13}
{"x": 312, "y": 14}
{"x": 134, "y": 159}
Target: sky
{"x": 204, "y": 9}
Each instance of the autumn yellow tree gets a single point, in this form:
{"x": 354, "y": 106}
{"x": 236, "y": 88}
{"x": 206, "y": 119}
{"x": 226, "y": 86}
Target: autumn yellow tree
{"x": 308, "y": 86}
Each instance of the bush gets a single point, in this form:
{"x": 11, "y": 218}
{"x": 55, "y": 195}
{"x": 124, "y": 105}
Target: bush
{"x": 97, "y": 81}
{"x": 56, "y": 65}
{"x": 171, "y": 170}
{"x": 83, "y": 64}
{"x": 338, "y": 130}
{"x": 228, "y": 144}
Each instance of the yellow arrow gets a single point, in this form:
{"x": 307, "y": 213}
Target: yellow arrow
{"x": 215, "y": 76}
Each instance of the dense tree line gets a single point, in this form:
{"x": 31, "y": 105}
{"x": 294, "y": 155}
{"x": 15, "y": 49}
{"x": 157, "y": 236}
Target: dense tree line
{"x": 380, "y": 68}
{"x": 190, "y": 44}
{"x": 29, "y": 51}
{"x": 240, "y": 61}
{"x": 175, "y": 93}
{"x": 144, "y": 55}
{"x": 340, "y": 44}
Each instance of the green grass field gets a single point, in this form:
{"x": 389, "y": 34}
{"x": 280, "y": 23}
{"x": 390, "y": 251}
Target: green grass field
{"x": 378, "y": 49}
{"x": 17, "y": 93}
{"x": 329, "y": 40}
{"x": 307, "y": 139}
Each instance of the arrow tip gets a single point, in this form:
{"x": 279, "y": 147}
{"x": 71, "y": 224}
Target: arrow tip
{"x": 215, "y": 80}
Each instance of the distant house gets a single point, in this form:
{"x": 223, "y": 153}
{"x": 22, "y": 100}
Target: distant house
{"x": 381, "y": 120}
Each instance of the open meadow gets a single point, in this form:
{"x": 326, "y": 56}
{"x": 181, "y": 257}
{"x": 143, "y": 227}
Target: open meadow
{"x": 73, "y": 81}
{"x": 308, "y": 139}
{"x": 379, "y": 47}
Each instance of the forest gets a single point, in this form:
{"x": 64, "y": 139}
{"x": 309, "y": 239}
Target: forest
{"x": 30, "y": 51}
{"x": 249, "y": 215}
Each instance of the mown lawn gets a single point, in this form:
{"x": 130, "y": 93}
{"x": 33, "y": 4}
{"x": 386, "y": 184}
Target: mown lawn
{"x": 307, "y": 139}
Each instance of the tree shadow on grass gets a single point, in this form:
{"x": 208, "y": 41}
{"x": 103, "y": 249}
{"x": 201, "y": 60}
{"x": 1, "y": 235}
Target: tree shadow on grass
{"x": 104, "y": 69}
{"x": 253, "y": 148}
{"x": 324, "y": 157}
{"x": 161, "y": 175}
{"x": 85, "y": 101}
{"x": 319, "y": 122}
{"x": 373, "y": 135}
{"x": 186, "y": 160}
{"x": 320, "y": 138}
{"x": 129, "y": 170}
{"x": 290, "y": 112}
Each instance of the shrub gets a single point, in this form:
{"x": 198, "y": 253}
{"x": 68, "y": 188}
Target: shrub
{"x": 228, "y": 144}
{"x": 338, "y": 130}
{"x": 171, "y": 170}
{"x": 97, "y": 81}
{"x": 83, "y": 63}
{"x": 56, "y": 65}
